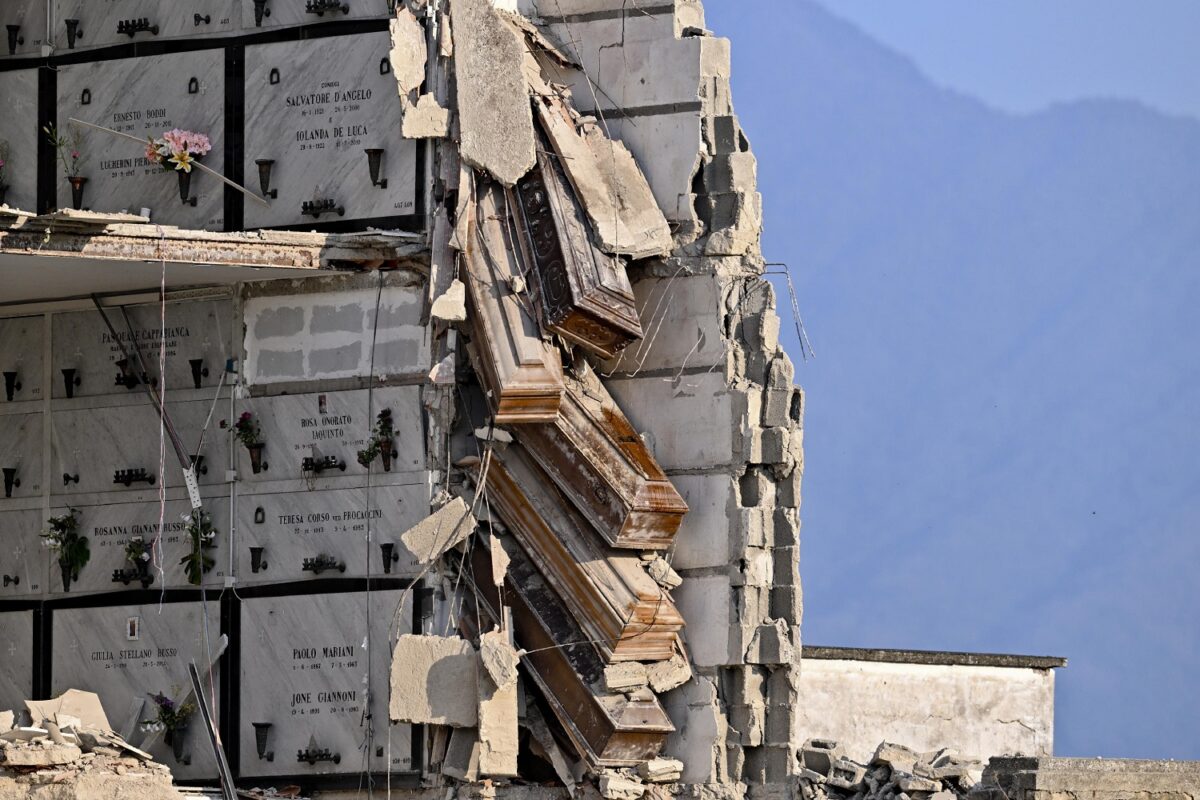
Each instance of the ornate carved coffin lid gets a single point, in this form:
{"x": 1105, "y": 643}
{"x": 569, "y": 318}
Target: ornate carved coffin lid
{"x": 606, "y": 729}
{"x": 599, "y": 461}
{"x": 618, "y": 605}
{"x": 522, "y": 373}
{"x": 585, "y": 294}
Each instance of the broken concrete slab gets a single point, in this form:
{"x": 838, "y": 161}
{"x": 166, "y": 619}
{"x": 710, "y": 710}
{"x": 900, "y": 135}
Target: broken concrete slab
{"x": 48, "y": 754}
{"x": 896, "y": 757}
{"x": 626, "y": 219}
{"x": 845, "y": 774}
{"x": 75, "y": 702}
{"x": 499, "y": 658}
{"x": 425, "y": 120}
{"x": 660, "y": 570}
{"x": 451, "y": 306}
{"x": 498, "y": 734}
{"x": 430, "y": 538}
{"x": 407, "y": 53}
{"x": 820, "y": 754}
{"x": 667, "y": 675}
{"x": 495, "y": 118}
{"x": 617, "y": 787}
{"x": 625, "y": 676}
{"x": 661, "y": 770}
{"x": 434, "y": 680}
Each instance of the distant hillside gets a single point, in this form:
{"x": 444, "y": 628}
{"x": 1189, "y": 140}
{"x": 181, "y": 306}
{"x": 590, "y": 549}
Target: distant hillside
{"x": 1003, "y": 431}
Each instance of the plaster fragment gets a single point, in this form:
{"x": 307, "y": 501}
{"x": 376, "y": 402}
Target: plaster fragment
{"x": 616, "y": 787}
{"x": 441, "y": 530}
{"x": 667, "y": 675}
{"x": 425, "y": 120}
{"x": 498, "y": 735}
{"x": 664, "y": 576}
{"x": 434, "y": 681}
{"x": 443, "y": 371}
{"x": 407, "y": 54}
{"x": 660, "y": 770}
{"x": 452, "y": 305}
{"x": 499, "y": 658}
{"x": 625, "y": 676}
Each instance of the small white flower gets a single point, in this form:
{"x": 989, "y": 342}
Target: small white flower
{"x": 145, "y": 556}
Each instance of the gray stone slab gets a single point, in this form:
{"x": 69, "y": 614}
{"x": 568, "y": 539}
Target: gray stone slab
{"x": 333, "y": 424}
{"x": 24, "y": 561}
{"x": 328, "y": 335}
{"x": 330, "y": 100}
{"x": 305, "y": 671}
{"x": 93, "y": 443}
{"x": 21, "y": 449}
{"x": 293, "y": 526}
{"x": 110, "y": 527}
{"x": 143, "y": 97}
{"x": 21, "y": 352}
{"x": 194, "y": 330}
{"x": 100, "y": 21}
{"x": 31, "y": 16}
{"x": 287, "y": 13}
{"x": 19, "y": 131}
{"x": 16, "y": 653}
{"x": 124, "y": 653}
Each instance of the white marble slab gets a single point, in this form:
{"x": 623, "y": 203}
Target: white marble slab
{"x": 93, "y": 443}
{"x": 333, "y": 424}
{"x": 285, "y": 13}
{"x": 16, "y": 654}
{"x": 99, "y": 20}
{"x": 146, "y": 97}
{"x": 21, "y": 352}
{"x": 21, "y": 449}
{"x": 24, "y": 561}
{"x": 328, "y": 334}
{"x": 304, "y": 670}
{"x": 293, "y": 526}
{"x": 329, "y": 103}
{"x": 110, "y": 527}
{"x": 194, "y": 330}
{"x": 125, "y": 653}
{"x": 30, "y": 15}
{"x": 19, "y": 130}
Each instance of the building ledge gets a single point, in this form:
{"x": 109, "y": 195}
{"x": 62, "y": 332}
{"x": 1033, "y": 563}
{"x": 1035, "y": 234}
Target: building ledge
{"x": 931, "y": 657}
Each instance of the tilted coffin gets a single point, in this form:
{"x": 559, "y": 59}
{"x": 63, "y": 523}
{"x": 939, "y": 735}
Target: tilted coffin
{"x": 522, "y": 373}
{"x": 607, "y": 729}
{"x": 584, "y": 293}
{"x": 619, "y": 606}
{"x": 599, "y": 461}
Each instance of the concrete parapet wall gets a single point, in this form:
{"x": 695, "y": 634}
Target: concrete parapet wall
{"x": 1094, "y": 779}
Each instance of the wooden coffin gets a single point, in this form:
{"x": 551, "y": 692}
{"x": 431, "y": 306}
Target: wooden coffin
{"x": 607, "y": 729}
{"x": 521, "y": 372}
{"x": 616, "y": 602}
{"x": 583, "y": 293}
{"x": 597, "y": 459}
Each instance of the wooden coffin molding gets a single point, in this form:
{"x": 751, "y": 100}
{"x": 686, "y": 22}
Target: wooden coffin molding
{"x": 618, "y": 605}
{"x": 584, "y": 294}
{"x": 597, "y": 459}
{"x": 521, "y": 372}
{"x": 606, "y": 729}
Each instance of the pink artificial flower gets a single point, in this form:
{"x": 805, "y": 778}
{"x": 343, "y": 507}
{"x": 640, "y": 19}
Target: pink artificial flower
{"x": 74, "y": 154}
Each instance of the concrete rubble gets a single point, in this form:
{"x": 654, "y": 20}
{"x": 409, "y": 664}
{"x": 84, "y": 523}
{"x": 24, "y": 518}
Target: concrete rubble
{"x": 895, "y": 772}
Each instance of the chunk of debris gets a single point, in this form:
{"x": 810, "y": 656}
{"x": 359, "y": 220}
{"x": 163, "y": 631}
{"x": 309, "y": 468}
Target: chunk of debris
{"x": 661, "y": 770}
{"x": 625, "y": 676}
{"x": 498, "y": 735}
{"x": 443, "y": 371}
{"x": 819, "y": 755}
{"x": 846, "y": 774}
{"x": 490, "y": 433}
{"x": 671, "y": 674}
{"x": 500, "y": 562}
{"x": 462, "y": 755}
{"x": 451, "y": 306}
{"x": 85, "y": 706}
{"x": 617, "y": 787}
{"x": 434, "y": 681}
{"x": 610, "y": 185}
{"x": 445, "y": 528}
{"x": 500, "y": 658}
{"x": 896, "y": 757}
{"x": 42, "y": 753}
{"x": 425, "y": 120}
{"x": 407, "y": 53}
{"x": 664, "y": 576}
{"x": 495, "y": 119}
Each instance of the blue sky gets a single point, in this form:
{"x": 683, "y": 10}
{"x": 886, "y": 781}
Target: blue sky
{"x": 995, "y": 253}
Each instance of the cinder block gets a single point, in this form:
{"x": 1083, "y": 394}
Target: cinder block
{"x": 707, "y": 606}
{"x": 771, "y": 644}
{"x": 845, "y": 774}
{"x": 820, "y": 754}
{"x": 775, "y": 446}
{"x": 750, "y": 722}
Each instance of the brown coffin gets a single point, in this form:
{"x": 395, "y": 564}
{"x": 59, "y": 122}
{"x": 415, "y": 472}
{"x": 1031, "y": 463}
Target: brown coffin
{"x": 522, "y": 373}
{"x": 618, "y": 605}
{"x": 584, "y": 293}
{"x": 597, "y": 459}
{"x": 609, "y": 730}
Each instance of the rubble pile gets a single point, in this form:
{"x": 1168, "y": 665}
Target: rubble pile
{"x": 895, "y": 772}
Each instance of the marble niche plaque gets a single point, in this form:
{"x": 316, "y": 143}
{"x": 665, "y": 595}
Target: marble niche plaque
{"x": 24, "y": 560}
{"x": 20, "y": 450}
{"x": 29, "y": 17}
{"x": 291, "y": 527}
{"x": 89, "y": 446}
{"x": 305, "y": 673}
{"x": 284, "y": 13}
{"x": 16, "y": 654}
{"x": 197, "y": 330}
{"x": 109, "y": 528}
{"x": 142, "y": 97}
{"x": 19, "y": 136}
{"x": 21, "y": 353}
{"x": 314, "y": 107}
{"x": 106, "y": 22}
{"x": 125, "y": 654}
{"x": 333, "y": 425}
